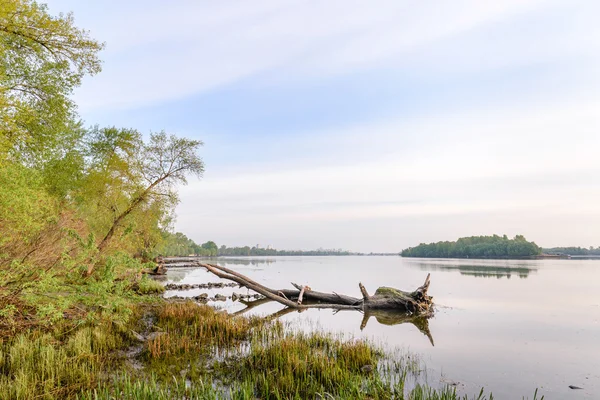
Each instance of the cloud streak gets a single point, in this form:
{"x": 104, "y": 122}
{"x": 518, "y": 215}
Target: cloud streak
{"x": 165, "y": 52}
{"x": 373, "y": 128}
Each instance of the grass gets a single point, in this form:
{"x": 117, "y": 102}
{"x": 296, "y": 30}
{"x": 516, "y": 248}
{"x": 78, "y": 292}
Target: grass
{"x": 306, "y": 365}
{"x": 39, "y": 366}
{"x": 197, "y": 352}
{"x": 127, "y": 387}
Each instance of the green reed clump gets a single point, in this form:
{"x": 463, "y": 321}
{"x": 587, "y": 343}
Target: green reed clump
{"x": 192, "y": 335}
{"x": 148, "y": 285}
{"x": 299, "y": 366}
{"x": 191, "y": 327}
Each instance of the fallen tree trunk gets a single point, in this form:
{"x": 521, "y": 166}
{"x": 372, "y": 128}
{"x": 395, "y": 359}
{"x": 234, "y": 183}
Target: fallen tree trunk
{"x": 385, "y": 298}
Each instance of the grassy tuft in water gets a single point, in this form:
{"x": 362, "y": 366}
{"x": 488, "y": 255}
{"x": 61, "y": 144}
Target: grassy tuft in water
{"x": 147, "y": 285}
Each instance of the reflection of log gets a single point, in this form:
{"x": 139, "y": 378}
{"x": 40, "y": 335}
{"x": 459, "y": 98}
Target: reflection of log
{"x": 282, "y": 312}
{"x": 251, "y": 304}
{"x": 417, "y": 302}
{"x": 387, "y": 317}
{"x": 384, "y": 317}
{"x": 255, "y": 303}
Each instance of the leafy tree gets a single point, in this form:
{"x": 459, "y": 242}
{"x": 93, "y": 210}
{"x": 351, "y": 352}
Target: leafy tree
{"x": 209, "y": 249}
{"x": 162, "y": 164}
{"x": 177, "y": 244}
{"x": 42, "y": 59}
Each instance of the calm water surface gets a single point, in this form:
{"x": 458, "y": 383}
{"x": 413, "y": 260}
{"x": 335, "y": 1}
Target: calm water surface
{"x": 510, "y": 326}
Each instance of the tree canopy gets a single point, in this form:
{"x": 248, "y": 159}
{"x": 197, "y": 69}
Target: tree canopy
{"x": 42, "y": 59}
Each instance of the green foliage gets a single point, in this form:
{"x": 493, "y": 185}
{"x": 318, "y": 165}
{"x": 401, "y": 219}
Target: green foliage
{"x": 177, "y": 244}
{"x": 142, "y": 176}
{"x": 477, "y": 247}
{"x": 25, "y": 208}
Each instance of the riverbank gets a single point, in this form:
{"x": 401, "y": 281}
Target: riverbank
{"x": 176, "y": 350}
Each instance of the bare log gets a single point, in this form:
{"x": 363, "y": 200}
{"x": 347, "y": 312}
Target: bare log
{"x": 221, "y": 272}
{"x": 385, "y": 298}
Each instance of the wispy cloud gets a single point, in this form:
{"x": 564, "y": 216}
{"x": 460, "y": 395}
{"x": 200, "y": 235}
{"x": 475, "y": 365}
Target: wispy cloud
{"x": 361, "y": 125}
{"x": 166, "y": 51}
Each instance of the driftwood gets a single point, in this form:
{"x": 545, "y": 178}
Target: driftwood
{"x": 302, "y": 297}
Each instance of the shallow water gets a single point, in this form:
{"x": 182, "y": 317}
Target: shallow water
{"x": 510, "y": 326}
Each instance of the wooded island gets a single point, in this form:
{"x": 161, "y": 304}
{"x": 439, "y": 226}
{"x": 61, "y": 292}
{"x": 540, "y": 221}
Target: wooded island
{"x": 477, "y": 247}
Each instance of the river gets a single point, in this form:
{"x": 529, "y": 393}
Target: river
{"x": 510, "y": 326}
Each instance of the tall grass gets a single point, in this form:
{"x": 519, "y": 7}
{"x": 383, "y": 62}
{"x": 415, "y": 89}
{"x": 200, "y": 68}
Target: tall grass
{"x": 39, "y": 366}
{"x": 196, "y": 352}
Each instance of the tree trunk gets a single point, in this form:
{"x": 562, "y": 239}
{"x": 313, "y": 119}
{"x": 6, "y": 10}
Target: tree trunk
{"x": 385, "y": 298}
{"x": 142, "y": 197}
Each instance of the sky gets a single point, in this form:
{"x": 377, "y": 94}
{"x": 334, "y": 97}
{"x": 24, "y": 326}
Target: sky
{"x": 366, "y": 126}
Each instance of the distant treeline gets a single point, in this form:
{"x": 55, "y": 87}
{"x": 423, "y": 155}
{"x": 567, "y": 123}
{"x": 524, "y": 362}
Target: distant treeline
{"x": 178, "y": 244}
{"x": 477, "y": 247}
{"x": 573, "y": 251}
{"x": 259, "y": 251}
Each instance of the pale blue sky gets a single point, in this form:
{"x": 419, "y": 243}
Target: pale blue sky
{"x": 369, "y": 126}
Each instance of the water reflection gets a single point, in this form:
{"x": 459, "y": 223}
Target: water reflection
{"x": 383, "y": 317}
{"x": 182, "y": 262}
{"x": 479, "y": 271}
{"x": 178, "y": 274}
{"x": 390, "y": 317}
{"x": 243, "y": 261}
